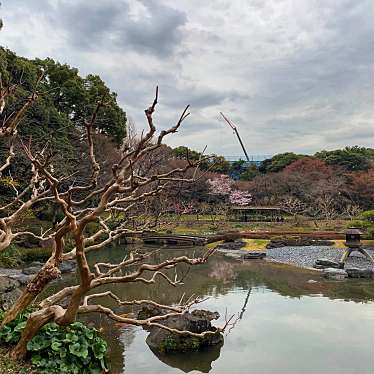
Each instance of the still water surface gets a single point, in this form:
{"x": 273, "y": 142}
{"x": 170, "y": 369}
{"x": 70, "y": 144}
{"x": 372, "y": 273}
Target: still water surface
{"x": 288, "y": 324}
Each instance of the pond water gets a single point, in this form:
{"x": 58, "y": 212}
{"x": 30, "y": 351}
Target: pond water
{"x": 288, "y": 323}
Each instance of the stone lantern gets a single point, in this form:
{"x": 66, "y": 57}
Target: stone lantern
{"x": 353, "y": 237}
{"x": 353, "y": 242}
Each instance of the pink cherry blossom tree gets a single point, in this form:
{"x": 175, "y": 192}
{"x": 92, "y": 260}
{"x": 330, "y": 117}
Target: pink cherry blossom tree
{"x": 220, "y": 186}
{"x": 241, "y": 198}
{"x": 223, "y": 188}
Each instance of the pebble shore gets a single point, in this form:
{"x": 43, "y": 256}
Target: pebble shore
{"x": 306, "y": 256}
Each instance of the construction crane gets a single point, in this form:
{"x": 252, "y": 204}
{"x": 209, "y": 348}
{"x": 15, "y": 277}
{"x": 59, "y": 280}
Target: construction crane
{"x": 237, "y": 134}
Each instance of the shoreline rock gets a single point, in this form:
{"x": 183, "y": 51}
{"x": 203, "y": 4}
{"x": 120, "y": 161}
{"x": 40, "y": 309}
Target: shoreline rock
{"x": 360, "y": 273}
{"x": 9, "y": 292}
{"x": 335, "y": 274}
{"x": 298, "y": 242}
{"x": 324, "y": 263}
{"x": 254, "y": 255}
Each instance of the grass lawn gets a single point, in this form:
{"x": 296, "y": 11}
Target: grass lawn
{"x": 304, "y": 225}
{"x": 251, "y": 244}
{"x": 256, "y": 244}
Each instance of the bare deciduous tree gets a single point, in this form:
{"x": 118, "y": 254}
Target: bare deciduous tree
{"x": 352, "y": 210}
{"x": 293, "y": 206}
{"x": 92, "y": 202}
{"x": 326, "y": 207}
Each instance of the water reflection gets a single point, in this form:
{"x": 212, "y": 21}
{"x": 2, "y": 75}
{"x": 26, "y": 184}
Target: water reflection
{"x": 287, "y": 323}
{"x": 193, "y": 361}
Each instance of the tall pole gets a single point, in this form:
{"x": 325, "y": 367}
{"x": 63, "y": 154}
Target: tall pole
{"x": 237, "y": 134}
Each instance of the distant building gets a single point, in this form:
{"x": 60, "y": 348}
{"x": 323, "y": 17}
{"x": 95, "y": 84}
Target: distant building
{"x": 257, "y": 214}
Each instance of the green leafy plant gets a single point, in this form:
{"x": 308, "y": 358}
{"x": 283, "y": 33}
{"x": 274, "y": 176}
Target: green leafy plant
{"x": 71, "y": 349}
{"x": 11, "y": 332}
{"x": 56, "y": 349}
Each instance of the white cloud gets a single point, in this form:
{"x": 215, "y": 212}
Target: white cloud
{"x": 293, "y": 75}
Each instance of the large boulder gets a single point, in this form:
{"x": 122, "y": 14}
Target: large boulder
{"x": 335, "y": 274}
{"x": 9, "y": 292}
{"x": 231, "y": 246}
{"x": 197, "y": 321}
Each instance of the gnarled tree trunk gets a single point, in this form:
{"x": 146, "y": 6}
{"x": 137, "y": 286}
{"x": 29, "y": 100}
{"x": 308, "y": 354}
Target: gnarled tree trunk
{"x": 34, "y": 323}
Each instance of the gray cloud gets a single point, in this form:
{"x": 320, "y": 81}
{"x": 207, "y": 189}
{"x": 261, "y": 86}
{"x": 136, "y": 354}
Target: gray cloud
{"x": 154, "y": 29}
{"x": 292, "y": 75}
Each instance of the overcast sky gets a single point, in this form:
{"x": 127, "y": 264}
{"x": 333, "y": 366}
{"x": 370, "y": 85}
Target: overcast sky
{"x": 294, "y": 75}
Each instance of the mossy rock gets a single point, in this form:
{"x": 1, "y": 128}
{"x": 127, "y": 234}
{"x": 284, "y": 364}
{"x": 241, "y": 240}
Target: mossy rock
{"x": 198, "y": 321}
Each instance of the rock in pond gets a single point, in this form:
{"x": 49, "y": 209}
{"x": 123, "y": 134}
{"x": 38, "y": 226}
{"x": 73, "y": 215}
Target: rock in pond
{"x": 324, "y": 263}
{"x": 229, "y": 246}
{"x": 336, "y": 274}
{"x": 197, "y": 321}
{"x": 360, "y": 273}
{"x": 254, "y": 255}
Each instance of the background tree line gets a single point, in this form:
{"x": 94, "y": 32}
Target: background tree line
{"x": 56, "y": 118}
{"x": 326, "y": 185}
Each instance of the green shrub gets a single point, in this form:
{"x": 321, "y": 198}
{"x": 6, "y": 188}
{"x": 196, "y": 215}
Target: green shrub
{"x": 366, "y": 221}
{"x": 35, "y": 254}
{"x": 368, "y": 216}
{"x": 355, "y": 223}
{"x": 10, "y": 257}
{"x": 14, "y": 255}
{"x": 370, "y": 231}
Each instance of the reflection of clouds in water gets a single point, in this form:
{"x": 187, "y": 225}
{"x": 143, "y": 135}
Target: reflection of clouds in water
{"x": 223, "y": 271}
{"x": 281, "y": 329}
{"x": 126, "y": 338}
